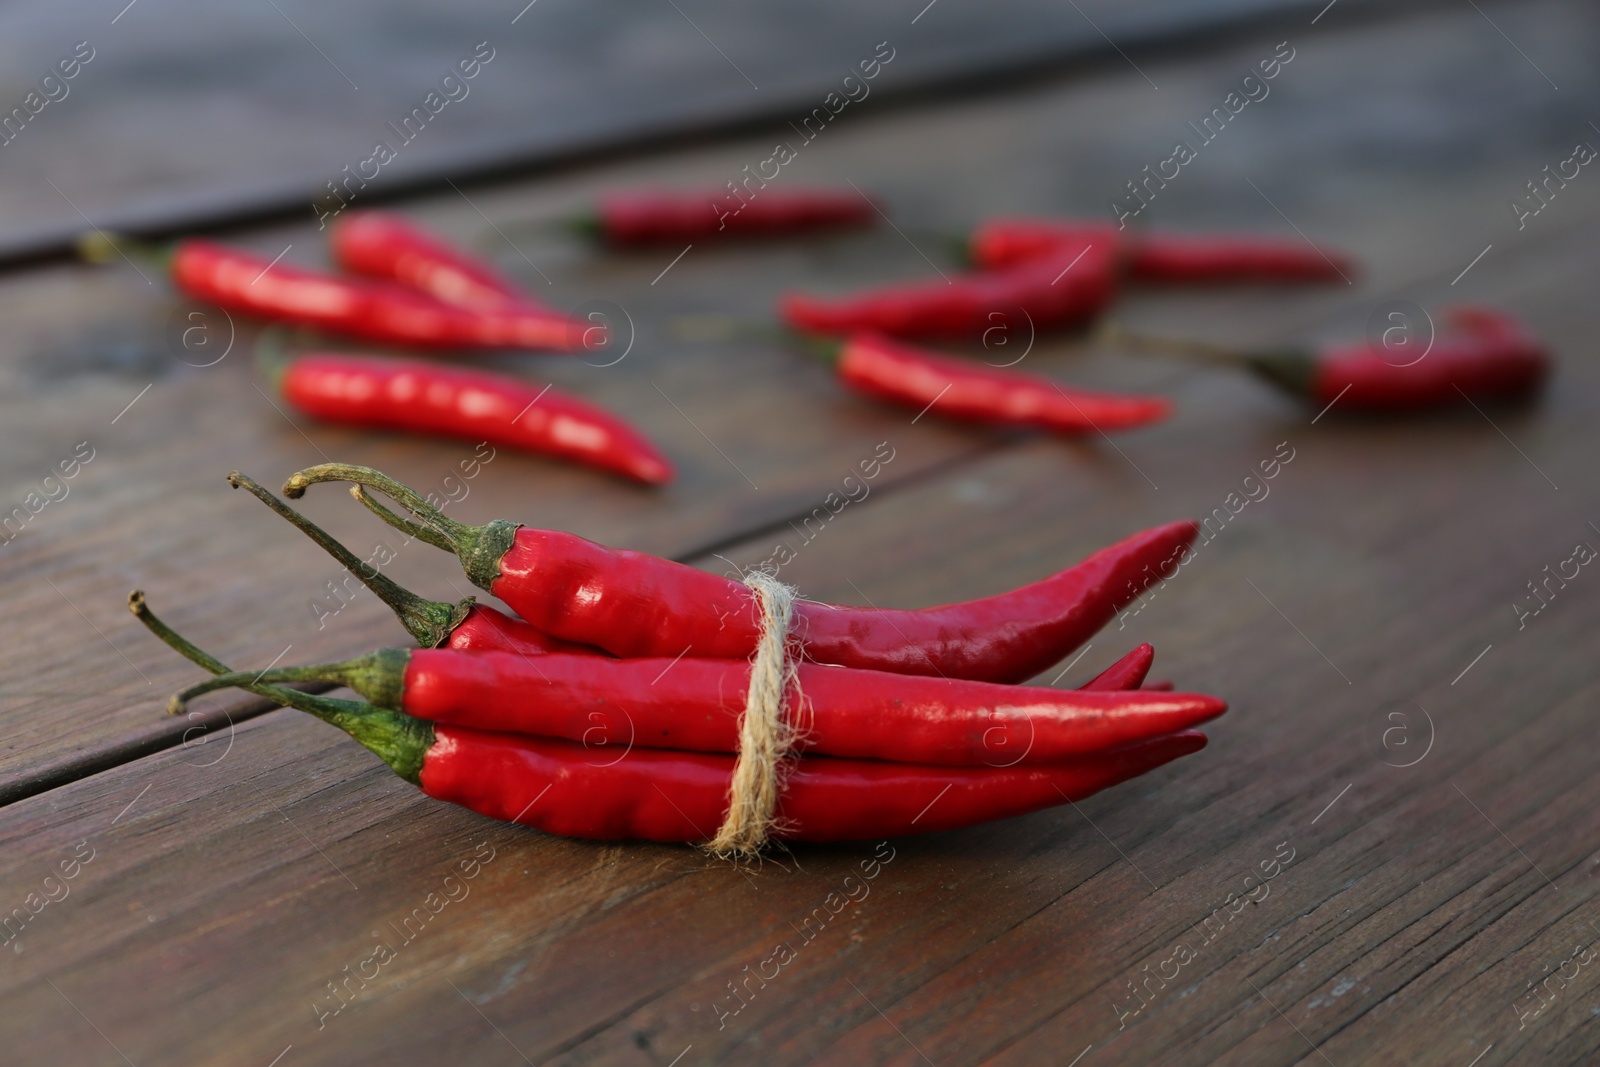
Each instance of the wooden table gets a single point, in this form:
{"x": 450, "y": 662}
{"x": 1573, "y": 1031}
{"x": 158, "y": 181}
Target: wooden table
{"x": 1405, "y": 752}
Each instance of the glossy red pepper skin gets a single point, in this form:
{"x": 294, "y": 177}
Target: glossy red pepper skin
{"x": 385, "y": 245}
{"x": 636, "y": 605}
{"x": 1483, "y": 355}
{"x": 646, "y": 218}
{"x": 656, "y": 795}
{"x": 696, "y": 705}
{"x": 364, "y": 308}
{"x": 417, "y": 395}
{"x": 1127, "y": 673}
{"x": 968, "y": 391}
{"x": 1196, "y": 259}
{"x": 1068, "y": 286}
{"x": 487, "y": 629}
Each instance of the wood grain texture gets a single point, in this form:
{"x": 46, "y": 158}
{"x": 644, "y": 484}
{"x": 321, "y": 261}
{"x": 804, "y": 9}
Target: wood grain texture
{"x": 1426, "y": 761}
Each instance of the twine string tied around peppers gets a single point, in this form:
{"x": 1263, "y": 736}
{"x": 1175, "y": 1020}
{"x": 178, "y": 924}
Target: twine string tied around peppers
{"x": 766, "y": 736}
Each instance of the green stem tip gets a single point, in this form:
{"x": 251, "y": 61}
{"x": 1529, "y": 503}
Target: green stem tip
{"x": 399, "y": 740}
{"x": 273, "y": 356}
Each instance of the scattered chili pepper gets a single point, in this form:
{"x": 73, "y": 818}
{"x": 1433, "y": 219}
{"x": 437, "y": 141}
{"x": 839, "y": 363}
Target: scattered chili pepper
{"x": 660, "y": 795}
{"x": 1069, "y": 285}
{"x": 961, "y": 389}
{"x": 696, "y": 704}
{"x": 1159, "y": 257}
{"x": 386, "y": 245}
{"x": 649, "y": 217}
{"x": 1480, "y": 355}
{"x": 465, "y": 625}
{"x": 366, "y": 308}
{"x": 476, "y": 405}
{"x": 633, "y": 605}
{"x": 1008, "y": 242}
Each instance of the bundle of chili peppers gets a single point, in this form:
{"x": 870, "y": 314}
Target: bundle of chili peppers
{"x": 906, "y": 721}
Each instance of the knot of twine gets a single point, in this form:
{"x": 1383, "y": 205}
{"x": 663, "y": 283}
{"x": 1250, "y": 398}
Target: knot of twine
{"x": 765, "y": 736}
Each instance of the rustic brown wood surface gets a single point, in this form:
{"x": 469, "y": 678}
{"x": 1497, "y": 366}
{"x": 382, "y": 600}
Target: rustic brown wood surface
{"x": 1408, "y": 756}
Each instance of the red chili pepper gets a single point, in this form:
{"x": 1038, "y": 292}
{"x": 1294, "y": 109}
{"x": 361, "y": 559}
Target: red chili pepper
{"x": 385, "y": 245}
{"x": 1008, "y": 242}
{"x": 1480, "y": 355}
{"x": 696, "y": 705}
{"x": 468, "y": 626}
{"x": 417, "y": 395}
{"x": 1484, "y": 355}
{"x": 635, "y": 605}
{"x": 373, "y": 310}
{"x": 1158, "y": 257}
{"x": 682, "y": 796}
{"x": 1127, "y": 673}
{"x": 650, "y": 217}
{"x": 960, "y": 389}
{"x": 558, "y": 787}
{"x": 1069, "y": 285}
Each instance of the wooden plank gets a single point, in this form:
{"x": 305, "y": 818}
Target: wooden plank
{"x": 1408, "y": 921}
{"x": 188, "y": 116}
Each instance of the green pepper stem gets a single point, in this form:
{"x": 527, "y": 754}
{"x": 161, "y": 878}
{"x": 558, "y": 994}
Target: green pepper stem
{"x": 399, "y": 740}
{"x": 430, "y": 622}
{"x": 415, "y": 529}
{"x": 479, "y": 548}
{"x": 403, "y": 495}
{"x": 378, "y": 676}
{"x": 99, "y": 247}
{"x": 273, "y": 356}
{"x": 825, "y": 349}
{"x": 1110, "y": 333}
{"x": 1291, "y": 369}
